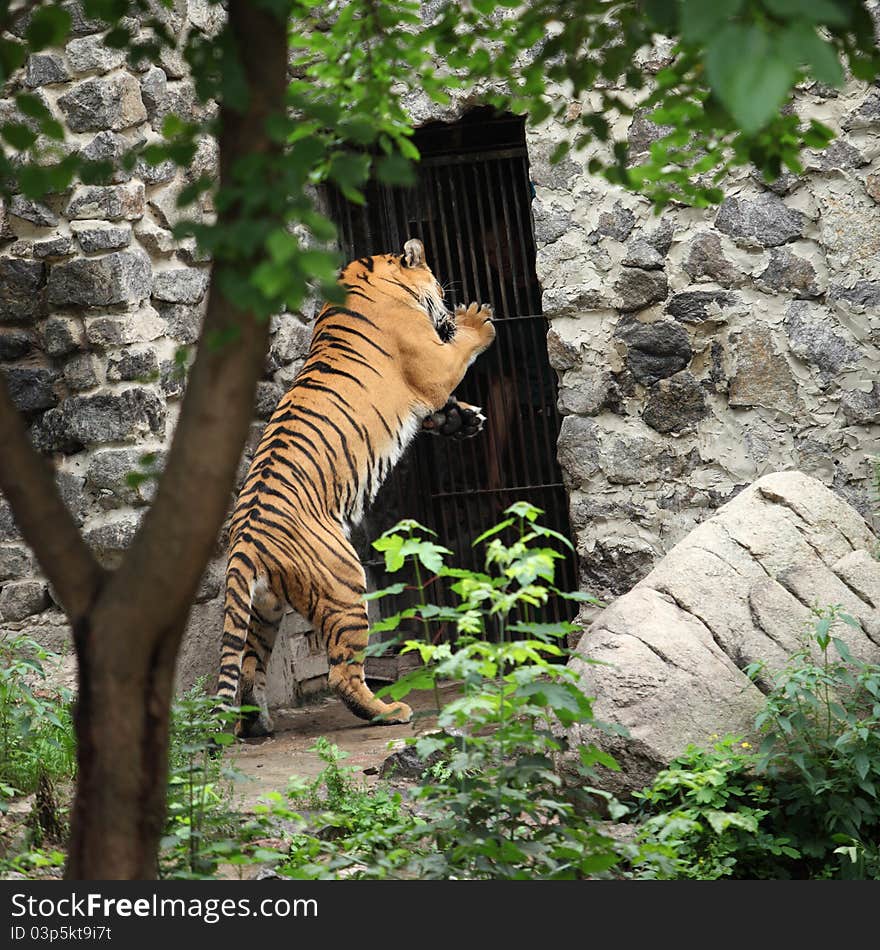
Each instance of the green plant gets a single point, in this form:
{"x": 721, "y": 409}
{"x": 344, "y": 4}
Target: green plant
{"x": 36, "y": 729}
{"x": 821, "y": 750}
{"x": 346, "y": 828}
{"x": 498, "y": 807}
{"x": 202, "y": 826}
{"x": 707, "y": 814}
{"x": 806, "y": 803}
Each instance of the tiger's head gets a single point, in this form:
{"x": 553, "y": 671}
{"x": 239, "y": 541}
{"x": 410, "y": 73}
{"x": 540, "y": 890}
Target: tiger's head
{"x": 403, "y": 273}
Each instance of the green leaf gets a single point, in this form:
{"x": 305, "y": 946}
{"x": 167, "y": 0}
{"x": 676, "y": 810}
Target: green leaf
{"x": 48, "y": 26}
{"x": 496, "y": 529}
{"x": 386, "y": 591}
{"x": 19, "y": 136}
{"x": 32, "y": 106}
{"x": 663, "y": 14}
{"x": 749, "y": 74}
{"x": 802, "y": 44}
{"x": 816, "y": 11}
{"x": 862, "y": 764}
{"x": 702, "y": 19}
{"x": 395, "y": 170}
{"x": 720, "y": 821}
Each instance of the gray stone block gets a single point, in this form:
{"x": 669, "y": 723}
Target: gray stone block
{"x": 107, "y": 477}
{"x": 763, "y": 221}
{"x": 107, "y": 202}
{"x": 180, "y": 285}
{"x": 80, "y": 372}
{"x": 140, "y": 326}
{"x": 120, "y": 277}
{"x": 130, "y": 366}
{"x": 655, "y": 350}
{"x": 637, "y": 289}
{"x": 706, "y": 259}
{"x": 21, "y": 599}
{"x": 112, "y": 102}
{"x": 31, "y": 388}
{"x": 33, "y": 211}
{"x": 62, "y": 335}
{"x": 15, "y": 343}
{"x": 184, "y": 322}
{"x": 21, "y": 290}
{"x": 699, "y": 306}
{"x": 53, "y": 249}
{"x": 15, "y": 562}
{"x": 676, "y": 404}
{"x": 8, "y": 528}
{"x": 105, "y": 417}
{"x": 95, "y": 236}
{"x": 762, "y": 376}
{"x": 91, "y": 54}
{"x": 817, "y": 338}
{"x": 789, "y": 272}
{"x": 44, "y": 69}
{"x": 861, "y": 408}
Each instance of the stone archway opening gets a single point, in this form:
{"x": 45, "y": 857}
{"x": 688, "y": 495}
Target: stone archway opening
{"x": 471, "y": 207}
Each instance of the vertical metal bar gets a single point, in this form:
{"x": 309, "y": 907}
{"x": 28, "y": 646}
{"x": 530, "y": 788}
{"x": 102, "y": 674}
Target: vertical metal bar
{"x": 550, "y": 411}
{"x": 458, "y": 201}
{"x": 529, "y": 459}
{"x": 508, "y": 231}
{"x": 470, "y": 235}
{"x": 495, "y": 224}
{"x": 519, "y": 182}
{"x": 431, "y": 217}
{"x": 444, "y": 227}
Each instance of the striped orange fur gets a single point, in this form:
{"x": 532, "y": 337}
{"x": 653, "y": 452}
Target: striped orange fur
{"x": 378, "y": 367}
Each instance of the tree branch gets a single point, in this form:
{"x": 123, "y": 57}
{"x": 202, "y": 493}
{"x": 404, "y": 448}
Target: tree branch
{"x": 28, "y": 482}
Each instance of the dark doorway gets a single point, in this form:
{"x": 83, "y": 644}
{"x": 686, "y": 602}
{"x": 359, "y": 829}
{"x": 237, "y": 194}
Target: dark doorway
{"x": 471, "y": 209}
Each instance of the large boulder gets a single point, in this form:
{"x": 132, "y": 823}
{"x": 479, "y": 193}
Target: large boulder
{"x": 666, "y": 660}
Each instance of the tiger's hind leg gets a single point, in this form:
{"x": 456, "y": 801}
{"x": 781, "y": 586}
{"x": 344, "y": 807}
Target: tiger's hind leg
{"x": 345, "y": 629}
{"x": 266, "y": 614}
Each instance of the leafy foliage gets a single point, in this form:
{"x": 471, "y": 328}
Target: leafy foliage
{"x": 498, "y": 807}
{"x": 805, "y": 804}
{"x": 36, "y": 731}
{"x": 821, "y": 748}
{"x": 708, "y": 810}
{"x": 732, "y": 68}
{"x": 202, "y": 826}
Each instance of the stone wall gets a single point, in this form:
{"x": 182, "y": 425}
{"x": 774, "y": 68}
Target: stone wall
{"x": 96, "y": 301}
{"x": 701, "y": 349}
{"x": 695, "y": 351}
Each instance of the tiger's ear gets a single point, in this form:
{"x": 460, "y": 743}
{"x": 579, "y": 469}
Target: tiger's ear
{"x": 413, "y": 253}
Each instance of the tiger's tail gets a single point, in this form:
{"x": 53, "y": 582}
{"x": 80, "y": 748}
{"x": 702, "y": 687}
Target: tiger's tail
{"x": 237, "y": 612}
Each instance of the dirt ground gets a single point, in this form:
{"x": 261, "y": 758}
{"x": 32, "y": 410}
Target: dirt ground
{"x": 267, "y": 764}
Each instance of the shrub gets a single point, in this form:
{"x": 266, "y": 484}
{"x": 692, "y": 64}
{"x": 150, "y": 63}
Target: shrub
{"x": 806, "y": 803}
{"x": 498, "y": 807}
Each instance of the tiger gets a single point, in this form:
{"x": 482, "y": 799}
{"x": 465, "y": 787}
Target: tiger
{"x": 380, "y": 367}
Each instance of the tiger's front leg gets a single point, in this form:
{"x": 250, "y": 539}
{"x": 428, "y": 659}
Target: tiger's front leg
{"x": 457, "y": 420}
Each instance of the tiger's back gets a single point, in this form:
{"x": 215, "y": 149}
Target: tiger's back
{"x": 377, "y": 367}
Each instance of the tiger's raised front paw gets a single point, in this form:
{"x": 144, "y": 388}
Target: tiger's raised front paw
{"x": 457, "y": 420}
{"x": 477, "y": 317}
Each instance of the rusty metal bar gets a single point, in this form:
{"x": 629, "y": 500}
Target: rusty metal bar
{"x": 471, "y": 236}
{"x": 471, "y": 158}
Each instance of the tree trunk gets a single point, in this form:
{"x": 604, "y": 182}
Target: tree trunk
{"x": 119, "y": 811}
{"x": 128, "y": 625}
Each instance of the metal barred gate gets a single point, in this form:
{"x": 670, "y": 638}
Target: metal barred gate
{"x": 471, "y": 209}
